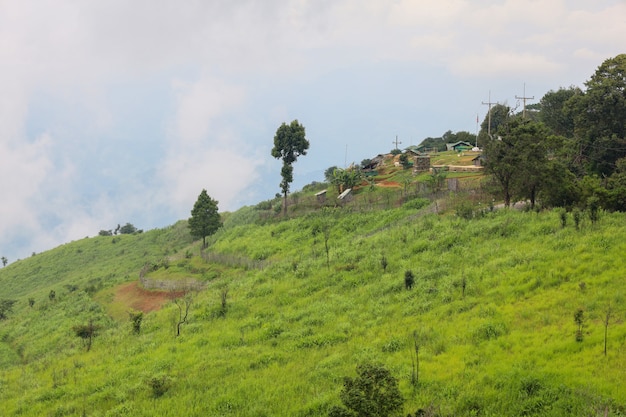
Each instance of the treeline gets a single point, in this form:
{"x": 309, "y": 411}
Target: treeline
{"x": 569, "y": 150}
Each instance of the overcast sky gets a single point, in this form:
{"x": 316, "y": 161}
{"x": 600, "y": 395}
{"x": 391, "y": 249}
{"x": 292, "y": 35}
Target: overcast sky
{"x": 118, "y": 111}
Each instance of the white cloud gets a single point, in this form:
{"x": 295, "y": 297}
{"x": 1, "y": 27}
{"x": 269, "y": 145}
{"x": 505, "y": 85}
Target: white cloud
{"x": 204, "y": 149}
{"x": 199, "y": 104}
{"x": 23, "y": 171}
{"x": 504, "y": 63}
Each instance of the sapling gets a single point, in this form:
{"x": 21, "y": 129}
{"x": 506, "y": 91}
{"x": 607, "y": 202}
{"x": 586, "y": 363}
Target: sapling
{"x": 409, "y": 280}
{"x": 579, "y": 319}
{"x": 607, "y": 319}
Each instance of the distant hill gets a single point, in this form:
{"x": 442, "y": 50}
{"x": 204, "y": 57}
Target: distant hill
{"x": 510, "y": 311}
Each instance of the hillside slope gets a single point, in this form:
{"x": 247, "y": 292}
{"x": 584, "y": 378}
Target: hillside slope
{"x": 289, "y": 308}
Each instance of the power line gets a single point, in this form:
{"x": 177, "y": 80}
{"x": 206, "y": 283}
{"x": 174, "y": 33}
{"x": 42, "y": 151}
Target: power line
{"x": 524, "y": 98}
{"x": 397, "y": 142}
{"x": 489, "y": 103}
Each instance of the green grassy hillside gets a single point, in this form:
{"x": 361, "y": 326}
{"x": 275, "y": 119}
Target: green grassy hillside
{"x": 281, "y": 321}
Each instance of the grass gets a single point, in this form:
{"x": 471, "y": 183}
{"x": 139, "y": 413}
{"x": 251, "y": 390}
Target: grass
{"x": 492, "y": 307}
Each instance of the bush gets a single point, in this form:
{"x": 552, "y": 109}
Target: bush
{"x": 416, "y": 204}
{"x": 465, "y": 210}
{"x": 374, "y": 392}
{"x": 6, "y": 306}
{"x": 409, "y": 280}
{"x": 159, "y": 385}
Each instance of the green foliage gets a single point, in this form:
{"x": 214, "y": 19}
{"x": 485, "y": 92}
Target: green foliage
{"x": 600, "y": 117}
{"x": 289, "y": 143}
{"x": 128, "y": 229}
{"x": 384, "y": 262}
{"x": 6, "y": 307}
{"x": 346, "y": 178}
{"x": 579, "y": 318}
{"x": 87, "y": 332}
{"x": 205, "y": 219}
{"x": 329, "y": 173}
{"x": 373, "y": 392}
{"x": 554, "y": 113}
{"x": 416, "y": 204}
{"x": 159, "y": 385}
{"x": 135, "y": 317}
{"x": 404, "y": 161}
{"x": 409, "y": 280}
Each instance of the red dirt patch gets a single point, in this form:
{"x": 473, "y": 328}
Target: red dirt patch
{"x": 391, "y": 184}
{"x": 140, "y": 299}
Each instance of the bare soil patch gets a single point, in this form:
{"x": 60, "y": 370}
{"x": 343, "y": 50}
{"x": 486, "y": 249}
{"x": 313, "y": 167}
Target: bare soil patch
{"x": 134, "y": 296}
{"x": 389, "y": 184}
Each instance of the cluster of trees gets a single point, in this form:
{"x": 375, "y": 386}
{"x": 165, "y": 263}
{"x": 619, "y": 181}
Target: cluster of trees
{"x": 127, "y": 229}
{"x": 439, "y": 144}
{"x": 569, "y": 150}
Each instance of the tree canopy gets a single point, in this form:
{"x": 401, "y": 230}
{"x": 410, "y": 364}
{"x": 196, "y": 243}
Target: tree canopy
{"x": 289, "y": 143}
{"x": 599, "y": 116}
{"x": 205, "y": 219}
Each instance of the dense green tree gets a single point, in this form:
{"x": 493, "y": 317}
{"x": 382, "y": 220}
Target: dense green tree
{"x": 434, "y": 143}
{"x": 499, "y": 116}
{"x": 616, "y": 187}
{"x": 559, "y": 187}
{"x": 205, "y": 219}
{"x": 600, "y": 117}
{"x": 373, "y": 393}
{"x": 128, "y": 229}
{"x": 329, "y": 174}
{"x": 554, "y": 113}
{"x": 289, "y": 143}
{"x": 534, "y": 143}
{"x": 517, "y": 158}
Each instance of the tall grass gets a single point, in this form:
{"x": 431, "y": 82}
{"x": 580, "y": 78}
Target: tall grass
{"x": 492, "y": 308}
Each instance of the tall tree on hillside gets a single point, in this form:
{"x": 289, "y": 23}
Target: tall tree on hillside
{"x": 289, "y": 143}
{"x": 600, "y": 117}
{"x": 517, "y": 158}
{"x": 4, "y": 261}
{"x": 554, "y": 112}
{"x": 534, "y": 143}
{"x": 205, "y": 219}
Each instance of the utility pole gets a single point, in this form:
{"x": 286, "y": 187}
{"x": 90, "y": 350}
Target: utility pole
{"x": 396, "y": 142}
{"x": 524, "y": 98}
{"x": 489, "y": 103}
